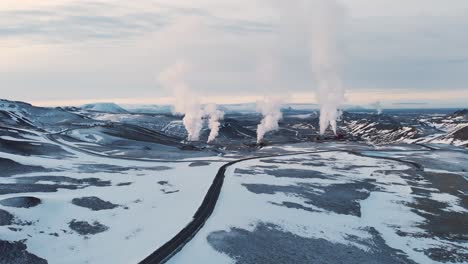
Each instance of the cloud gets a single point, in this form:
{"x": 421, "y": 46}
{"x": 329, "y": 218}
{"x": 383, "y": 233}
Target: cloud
{"x": 77, "y": 22}
{"x": 96, "y": 21}
{"x": 77, "y": 50}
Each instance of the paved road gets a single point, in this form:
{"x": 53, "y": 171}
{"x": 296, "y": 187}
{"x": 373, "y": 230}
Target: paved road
{"x": 170, "y": 248}
{"x": 165, "y": 252}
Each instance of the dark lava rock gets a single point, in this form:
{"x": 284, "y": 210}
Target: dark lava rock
{"x": 63, "y": 179}
{"x": 15, "y": 253}
{"x": 451, "y": 254}
{"x": 29, "y": 184}
{"x": 266, "y": 166}
{"x": 169, "y": 192}
{"x": 339, "y": 198}
{"x": 160, "y": 168}
{"x": 10, "y": 167}
{"x": 439, "y": 222}
{"x": 124, "y": 183}
{"x": 245, "y": 171}
{"x": 295, "y": 206}
{"x": 5, "y": 218}
{"x": 84, "y": 228}
{"x": 460, "y": 113}
{"x": 95, "y": 168}
{"x": 93, "y": 203}
{"x": 6, "y": 188}
{"x": 275, "y": 161}
{"x": 21, "y": 202}
{"x": 190, "y": 148}
{"x": 461, "y": 134}
{"x": 269, "y": 244}
{"x": 32, "y": 148}
{"x": 199, "y": 164}
{"x": 297, "y": 173}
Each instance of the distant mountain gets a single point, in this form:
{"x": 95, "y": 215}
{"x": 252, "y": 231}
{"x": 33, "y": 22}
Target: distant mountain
{"x": 385, "y": 129}
{"x": 21, "y": 114}
{"x": 378, "y": 129}
{"x": 148, "y": 109}
{"x": 453, "y": 129}
{"x": 104, "y": 107}
{"x": 461, "y": 115}
{"x": 457, "y": 137}
{"x": 243, "y": 108}
{"x": 297, "y": 124}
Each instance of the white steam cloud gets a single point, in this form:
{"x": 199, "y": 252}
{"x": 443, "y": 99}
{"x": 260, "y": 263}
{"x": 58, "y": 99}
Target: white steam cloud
{"x": 378, "y": 107}
{"x": 186, "y": 102}
{"x": 270, "y": 108}
{"x": 320, "y": 22}
{"x": 326, "y": 26}
{"x": 214, "y": 116}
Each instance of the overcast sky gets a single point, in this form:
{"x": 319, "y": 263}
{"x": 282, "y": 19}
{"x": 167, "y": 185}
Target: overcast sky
{"x": 70, "y": 52}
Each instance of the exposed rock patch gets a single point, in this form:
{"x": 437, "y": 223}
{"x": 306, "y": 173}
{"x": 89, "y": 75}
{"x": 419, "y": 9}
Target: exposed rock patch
{"x": 94, "y": 203}
{"x": 5, "y": 218}
{"x": 199, "y": 164}
{"x": 268, "y": 242}
{"x": 21, "y": 202}
{"x": 10, "y": 167}
{"x": 15, "y": 252}
{"x": 84, "y": 228}
{"x": 63, "y": 179}
{"x": 339, "y": 198}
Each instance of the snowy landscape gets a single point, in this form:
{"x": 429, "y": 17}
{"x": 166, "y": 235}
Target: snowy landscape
{"x": 85, "y": 183}
{"x": 233, "y": 132}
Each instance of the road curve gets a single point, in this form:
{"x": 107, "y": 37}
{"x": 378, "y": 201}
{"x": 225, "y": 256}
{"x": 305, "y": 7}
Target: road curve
{"x": 170, "y": 248}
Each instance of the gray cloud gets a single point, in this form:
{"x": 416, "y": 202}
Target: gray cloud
{"x": 382, "y": 52}
{"x": 76, "y": 23}
{"x": 91, "y": 20}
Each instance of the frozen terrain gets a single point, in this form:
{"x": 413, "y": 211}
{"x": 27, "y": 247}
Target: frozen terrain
{"x": 337, "y": 207}
{"x": 85, "y": 207}
{"x": 100, "y": 184}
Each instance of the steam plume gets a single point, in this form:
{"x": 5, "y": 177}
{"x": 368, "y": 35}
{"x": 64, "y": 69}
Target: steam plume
{"x": 326, "y": 26}
{"x": 320, "y": 22}
{"x": 378, "y": 107}
{"x": 270, "y": 108}
{"x": 186, "y": 102}
{"x": 214, "y": 116}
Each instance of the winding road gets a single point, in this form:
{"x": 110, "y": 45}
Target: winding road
{"x": 169, "y": 249}
{"x": 206, "y": 208}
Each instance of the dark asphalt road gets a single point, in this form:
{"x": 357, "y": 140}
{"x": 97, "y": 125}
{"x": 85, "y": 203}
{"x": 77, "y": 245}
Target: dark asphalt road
{"x": 169, "y": 249}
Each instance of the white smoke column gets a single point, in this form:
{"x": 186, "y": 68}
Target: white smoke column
{"x": 319, "y": 24}
{"x": 173, "y": 78}
{"x": 378, "y": 107}
{"x": 326, "y": 25}
{"x": 214, "y": 116}
{"x": 270, "y": 108}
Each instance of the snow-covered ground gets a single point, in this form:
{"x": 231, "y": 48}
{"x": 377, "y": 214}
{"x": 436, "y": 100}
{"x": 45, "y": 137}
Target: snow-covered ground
{"x": 335, "y": 199}
{"x": 151, "y": 202}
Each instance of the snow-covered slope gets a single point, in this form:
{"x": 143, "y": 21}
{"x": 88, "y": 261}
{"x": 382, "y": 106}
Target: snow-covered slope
{"x": 104, "y": 107}
{"x": 21, "y": 114}
{"x": 385, "y": 129}
{"x": 457, "y": 136}
{"x": 453, "y": 129}
{"x": 378, "y": 129}
{"x": 93, "y": 209}
{"x": 148, "y": 109}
